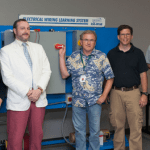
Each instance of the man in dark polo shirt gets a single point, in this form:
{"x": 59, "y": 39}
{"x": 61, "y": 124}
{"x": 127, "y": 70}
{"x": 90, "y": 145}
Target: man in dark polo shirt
{"x": 129, "y": 66}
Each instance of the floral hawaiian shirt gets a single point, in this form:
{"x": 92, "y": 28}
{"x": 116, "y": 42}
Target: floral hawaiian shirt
{"x": 93, "y": 68}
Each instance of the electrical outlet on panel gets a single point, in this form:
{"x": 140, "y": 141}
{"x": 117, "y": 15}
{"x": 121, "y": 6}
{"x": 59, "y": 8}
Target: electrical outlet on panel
{"x": 68, "y": 98}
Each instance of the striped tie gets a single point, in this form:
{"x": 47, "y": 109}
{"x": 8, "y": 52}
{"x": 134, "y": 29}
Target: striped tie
{"x": 26, "y": 53}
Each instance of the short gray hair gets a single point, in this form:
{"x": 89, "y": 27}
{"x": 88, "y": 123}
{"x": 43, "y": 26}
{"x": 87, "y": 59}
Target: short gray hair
{"x": 88, "y": 32}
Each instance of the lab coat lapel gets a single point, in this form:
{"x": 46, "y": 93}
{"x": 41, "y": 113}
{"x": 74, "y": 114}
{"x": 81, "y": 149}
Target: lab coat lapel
{"x": 20, "y": 53}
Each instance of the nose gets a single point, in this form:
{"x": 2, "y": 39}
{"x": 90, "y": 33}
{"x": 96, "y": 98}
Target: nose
{"x": 27, "y": 32}
{"x": 89, "y": 42}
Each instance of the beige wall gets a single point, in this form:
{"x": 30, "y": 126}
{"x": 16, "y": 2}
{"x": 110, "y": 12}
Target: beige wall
{"x": 133, "y": 12}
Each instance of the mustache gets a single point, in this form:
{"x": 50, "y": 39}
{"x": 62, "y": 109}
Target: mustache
{"x": 25, "y": 34}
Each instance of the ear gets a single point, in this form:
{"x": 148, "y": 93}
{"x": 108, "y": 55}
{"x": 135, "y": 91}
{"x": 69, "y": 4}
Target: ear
{"x": 118, "y": 37}
{"x": 81, "y": 42}
{"x": 14, "y": 30}
{"x": 95, "y": 43}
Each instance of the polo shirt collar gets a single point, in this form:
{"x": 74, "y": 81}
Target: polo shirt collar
{"x": 130, "y": 50}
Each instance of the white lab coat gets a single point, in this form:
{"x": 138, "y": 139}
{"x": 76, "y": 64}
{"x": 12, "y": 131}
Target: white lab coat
{"x": 17, "y": 75}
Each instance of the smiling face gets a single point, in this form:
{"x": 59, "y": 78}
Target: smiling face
{"x": 125, "y": 37}
{"x": 88, "y": 43}
{"x": 22, "y": 32}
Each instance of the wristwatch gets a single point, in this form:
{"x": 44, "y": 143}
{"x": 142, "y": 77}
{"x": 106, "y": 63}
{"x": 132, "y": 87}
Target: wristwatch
{"x": 145, "y": 93}
{"x": 40, "y": 89}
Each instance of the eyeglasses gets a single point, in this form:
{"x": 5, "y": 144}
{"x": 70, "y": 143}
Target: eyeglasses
{"x": 128, "y": 34}
{"x": 86, "y": 40}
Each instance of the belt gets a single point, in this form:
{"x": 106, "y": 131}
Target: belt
{"x": 125, "y": 88}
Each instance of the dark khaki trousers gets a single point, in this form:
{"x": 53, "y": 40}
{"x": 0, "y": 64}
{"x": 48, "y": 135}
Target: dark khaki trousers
{"x": 125, "y": 104}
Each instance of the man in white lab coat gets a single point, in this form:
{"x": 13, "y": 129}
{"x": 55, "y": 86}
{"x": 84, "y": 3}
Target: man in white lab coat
{"x": 26, "y": 71}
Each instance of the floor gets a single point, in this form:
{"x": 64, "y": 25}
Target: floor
{"x": 145, "y": 137}
{"x": 145, "y": 140}
{"x": 58, "y": 147}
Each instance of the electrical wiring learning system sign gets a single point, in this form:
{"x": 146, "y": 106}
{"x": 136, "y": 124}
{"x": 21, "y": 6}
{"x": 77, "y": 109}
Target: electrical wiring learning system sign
{"x": 41, "y": 20}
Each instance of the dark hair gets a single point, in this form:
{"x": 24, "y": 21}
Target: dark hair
{"x": 121, "y": 27}
{"x": 15, "y": 24}
{"x": 88, "y": 32}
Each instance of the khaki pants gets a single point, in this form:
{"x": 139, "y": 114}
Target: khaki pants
{"x": 126, "y": 104}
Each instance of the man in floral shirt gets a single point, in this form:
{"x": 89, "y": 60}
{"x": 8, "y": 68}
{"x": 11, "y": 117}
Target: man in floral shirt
{"x": 88, "y": 67}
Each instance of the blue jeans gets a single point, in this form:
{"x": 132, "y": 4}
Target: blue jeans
{"x": 79, "y": 122}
